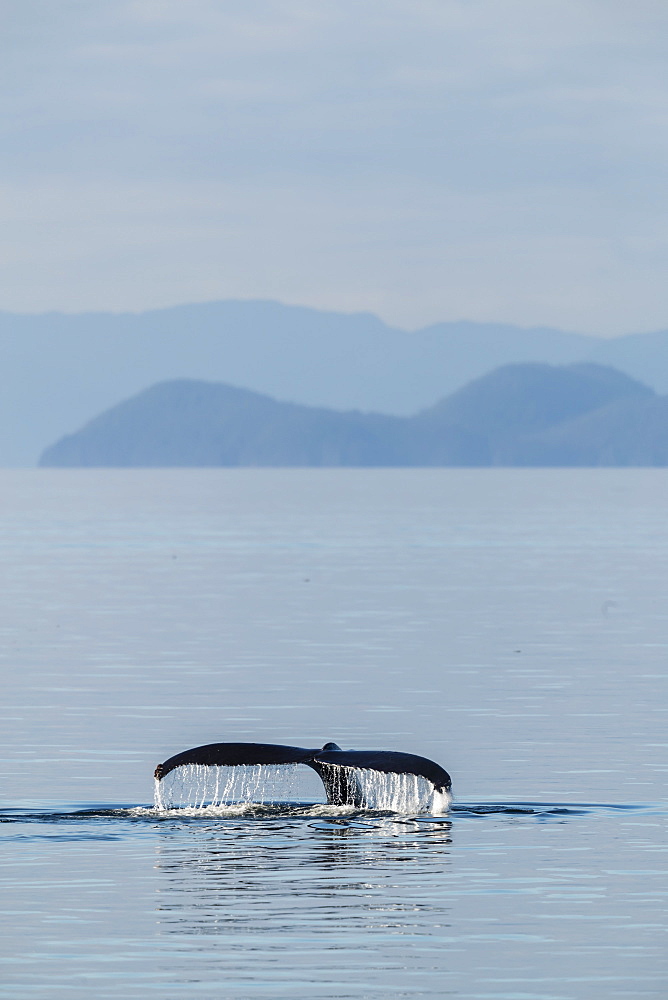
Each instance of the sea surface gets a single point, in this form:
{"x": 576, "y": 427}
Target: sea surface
{"x": 510, "y": 624}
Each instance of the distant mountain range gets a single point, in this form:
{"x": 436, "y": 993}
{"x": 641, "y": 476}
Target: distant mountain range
{"x": 56, "y": 370}
{"x": 518, "y": 415}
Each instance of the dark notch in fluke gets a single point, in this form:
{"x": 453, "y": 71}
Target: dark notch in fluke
{"x": 330, "y": 762}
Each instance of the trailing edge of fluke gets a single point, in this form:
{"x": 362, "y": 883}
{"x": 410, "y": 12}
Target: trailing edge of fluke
{"x": 333, "y": 765}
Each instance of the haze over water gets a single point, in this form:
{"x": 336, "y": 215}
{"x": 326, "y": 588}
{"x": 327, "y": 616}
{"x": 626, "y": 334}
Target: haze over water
{"x": 509, "y": 624}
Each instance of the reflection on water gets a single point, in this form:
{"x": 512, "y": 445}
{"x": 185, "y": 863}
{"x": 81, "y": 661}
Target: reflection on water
{"x": 306, "y": 900}
{"x": 301, "y": 863}
{"x": 289, "y": 901}
{"x": 397, "y": 898}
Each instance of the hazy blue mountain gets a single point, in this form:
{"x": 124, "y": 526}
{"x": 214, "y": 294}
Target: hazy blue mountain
{"x": 520, "y": 399}
{"x": 496, "y": 419}
{"x": 58, "y": 369}
{"x": 192, "y": 423}
{"x": 629, "y": 432}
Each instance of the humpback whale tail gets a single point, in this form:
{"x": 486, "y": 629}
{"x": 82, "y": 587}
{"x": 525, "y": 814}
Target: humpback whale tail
{"x": 350, "y": 777}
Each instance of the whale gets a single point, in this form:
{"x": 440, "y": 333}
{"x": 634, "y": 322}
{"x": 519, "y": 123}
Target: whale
{"x": 335, "y": 767}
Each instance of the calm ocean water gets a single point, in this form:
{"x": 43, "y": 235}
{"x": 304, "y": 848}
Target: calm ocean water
{"x": 510, "y": 624}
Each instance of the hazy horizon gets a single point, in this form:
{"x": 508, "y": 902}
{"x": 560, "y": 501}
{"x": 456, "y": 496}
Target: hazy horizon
{"x": 503, "y": 162}
{"x": 455, "y": 321}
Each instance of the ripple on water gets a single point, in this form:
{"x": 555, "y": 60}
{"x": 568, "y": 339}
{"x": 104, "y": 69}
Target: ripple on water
{"x": 352, "y": 816}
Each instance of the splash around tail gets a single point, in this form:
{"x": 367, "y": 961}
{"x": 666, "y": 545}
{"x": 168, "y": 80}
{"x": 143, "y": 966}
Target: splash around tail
{"x": 365, "y": 779}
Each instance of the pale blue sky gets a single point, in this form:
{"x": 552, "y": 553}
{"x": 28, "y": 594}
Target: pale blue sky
{"x": 422, "y": 159}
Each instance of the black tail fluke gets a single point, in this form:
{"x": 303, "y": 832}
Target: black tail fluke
{"x": 231, "y": 754}
{"x": 335, "y": 767}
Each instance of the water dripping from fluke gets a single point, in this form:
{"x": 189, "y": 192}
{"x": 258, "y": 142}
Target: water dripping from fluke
{"x": 235, "y": 774}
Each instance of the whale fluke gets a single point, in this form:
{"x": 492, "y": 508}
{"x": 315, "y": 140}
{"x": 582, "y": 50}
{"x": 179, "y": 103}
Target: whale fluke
{"x": 335, "y": 767}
